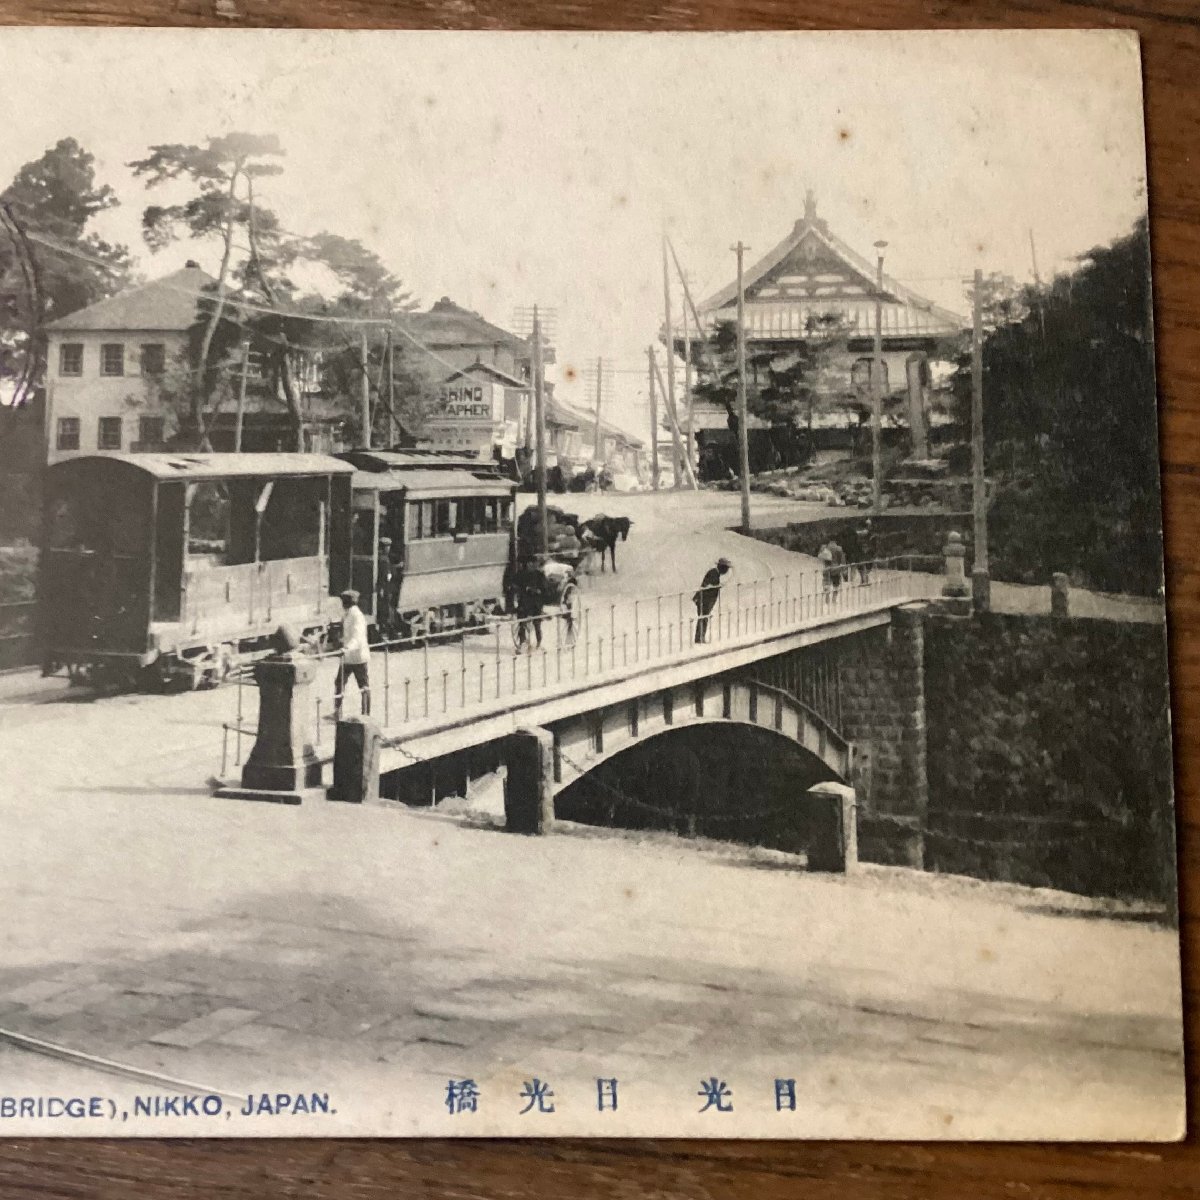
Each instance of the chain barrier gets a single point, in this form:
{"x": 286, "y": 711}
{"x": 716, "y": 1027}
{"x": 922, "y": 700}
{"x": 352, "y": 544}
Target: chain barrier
{"x": 674, "y": 814}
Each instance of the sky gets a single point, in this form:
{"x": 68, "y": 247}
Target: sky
{"x": 507, "y": 169}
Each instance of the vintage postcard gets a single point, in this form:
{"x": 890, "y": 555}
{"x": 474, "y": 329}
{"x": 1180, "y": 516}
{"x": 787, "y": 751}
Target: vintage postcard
{"x": 582, "y": 584}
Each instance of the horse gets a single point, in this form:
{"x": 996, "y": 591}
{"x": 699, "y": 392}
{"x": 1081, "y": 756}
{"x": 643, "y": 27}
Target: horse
{"x": 607, "y": 531}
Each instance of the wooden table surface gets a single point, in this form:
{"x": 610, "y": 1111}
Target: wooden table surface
{"x": 547, "y": 1170}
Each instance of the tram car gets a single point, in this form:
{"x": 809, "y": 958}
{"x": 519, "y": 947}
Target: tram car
{"x": 161, "y": 567}
{"x": 433, "y": 540}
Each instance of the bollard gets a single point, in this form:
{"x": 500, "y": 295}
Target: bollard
{"x": 833, "y": 840}
{"x": 1060, "y": 595}
{"x": 981, "y": 590}
{"x": 529, "y": 781}
{"x": 356, "y": 762}
{"x": 283, "y": 760}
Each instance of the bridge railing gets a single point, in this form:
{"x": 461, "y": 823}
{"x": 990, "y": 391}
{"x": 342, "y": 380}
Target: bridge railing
{"x": 442, "y": 674}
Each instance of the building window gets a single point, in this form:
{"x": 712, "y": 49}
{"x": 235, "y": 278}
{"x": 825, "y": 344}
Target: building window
{"x": 110, "y": 433}
{"x": 112, "y": 358}
{"x": 68, "y": 433}
{"x": 150, "y": 432}
{"x": 154, "y": 358}
{"x": 70, "y": 358}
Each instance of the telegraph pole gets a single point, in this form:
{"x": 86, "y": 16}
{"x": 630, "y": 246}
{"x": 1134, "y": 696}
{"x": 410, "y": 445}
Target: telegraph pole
{"x": 540, "y": 407}
{"x": 599, "y": 396}
{"x": 978, "y": 482}
{"x": 877, "y": 389}
{"x": 241, "y": 401}
{"x": 365, "y": 398}
{"x": 677, "y": 465}
{"x": 391, "y": 390}
{"x": 653, "y": 421}
{"x": 743, "y": 432}
{"x": 687, "y": 386}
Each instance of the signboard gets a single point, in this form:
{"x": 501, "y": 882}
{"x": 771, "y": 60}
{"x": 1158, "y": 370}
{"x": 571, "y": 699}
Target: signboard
{"x": 468, "y": 420}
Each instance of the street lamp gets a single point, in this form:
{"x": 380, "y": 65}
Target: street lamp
{"x": 877, "y": 388}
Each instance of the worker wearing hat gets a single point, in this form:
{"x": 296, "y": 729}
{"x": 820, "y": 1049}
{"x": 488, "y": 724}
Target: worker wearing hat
{"x": 707, "y": 596}
{"x": 356, "y": 654}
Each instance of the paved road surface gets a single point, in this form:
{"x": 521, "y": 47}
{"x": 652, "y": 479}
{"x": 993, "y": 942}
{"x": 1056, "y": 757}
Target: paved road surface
{"x": 374, "y": 954}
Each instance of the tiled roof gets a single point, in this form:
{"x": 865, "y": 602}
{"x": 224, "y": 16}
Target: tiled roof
{"x": 447, "y": 324}
{"x": 167, "y": 305}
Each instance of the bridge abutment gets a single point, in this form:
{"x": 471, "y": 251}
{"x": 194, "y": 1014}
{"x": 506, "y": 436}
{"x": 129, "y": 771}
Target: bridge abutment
{"x": 529, "y": 781}
{"x": 882, "y": 693}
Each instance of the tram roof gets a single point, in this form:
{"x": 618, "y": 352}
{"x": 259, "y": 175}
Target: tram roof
{"x": 434, "y": 483}
{"x": 412, "y": 457}
{"x": 189, "y": 466}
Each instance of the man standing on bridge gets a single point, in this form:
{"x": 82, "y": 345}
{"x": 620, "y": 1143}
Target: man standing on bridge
{"x": 356, "y": 654}
{"x": 706, "y": 598}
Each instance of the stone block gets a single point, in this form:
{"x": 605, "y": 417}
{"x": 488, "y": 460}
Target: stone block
{"x": 529, "y": 781}
{"x": 356, "y": 761}
{"x": 833, "y": 844}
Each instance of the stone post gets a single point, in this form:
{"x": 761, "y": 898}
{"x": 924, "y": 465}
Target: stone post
{"x": 955, "y": 588}
{"x": 356, "y": 762}
{"x": 981, "y": 590}
{"x": 529, "y": 781}
{"x": 1060, "y": 595}
{"x": 283, "y": 760}
{"x": 833, "y": 843}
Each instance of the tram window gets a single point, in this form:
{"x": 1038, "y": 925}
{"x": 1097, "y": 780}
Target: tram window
{"x": 208, "y": 523}
{"x": 506, "y": 511}
{"x": 364, "y": 534}
{"x": 291, "y": 525}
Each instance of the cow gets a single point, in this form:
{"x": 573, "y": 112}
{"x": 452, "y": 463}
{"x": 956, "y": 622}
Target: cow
{"x": 607, "y": 531}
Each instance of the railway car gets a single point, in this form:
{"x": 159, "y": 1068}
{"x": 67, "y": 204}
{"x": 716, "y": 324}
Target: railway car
{"x": 175, "y": 566}
{"x": 433, "y": 539}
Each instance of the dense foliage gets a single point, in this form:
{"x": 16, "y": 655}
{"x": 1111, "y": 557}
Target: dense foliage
{"x": 1071, "y": 429}
{"x": 56, "y": 198}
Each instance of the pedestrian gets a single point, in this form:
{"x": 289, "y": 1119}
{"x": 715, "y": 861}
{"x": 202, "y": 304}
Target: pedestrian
{"x": 865, "y": 535}
{"x": 825, "y": 558}
{"x": 356, "y": 654}
{"x": 841, "y": 571}
{"x": 530, "y": 585}
{"x": 707, "y": 596}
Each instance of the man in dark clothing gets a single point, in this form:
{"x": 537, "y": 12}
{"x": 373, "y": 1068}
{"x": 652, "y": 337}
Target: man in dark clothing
{"x": 530, "y": 585}
{"x": 706, "y": 598}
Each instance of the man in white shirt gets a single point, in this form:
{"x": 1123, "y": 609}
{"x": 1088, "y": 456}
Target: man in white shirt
{"x": 356, "y": 654}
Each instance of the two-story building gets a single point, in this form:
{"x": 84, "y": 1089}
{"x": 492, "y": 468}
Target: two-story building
{"x": 812, "y": 274}
{"x": 104, "y": 362}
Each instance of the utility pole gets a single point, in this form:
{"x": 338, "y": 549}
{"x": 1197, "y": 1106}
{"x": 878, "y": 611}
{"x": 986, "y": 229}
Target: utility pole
{"x": 365, "y": 399}
{"x": 877, "y": 389}
{"x": 677, "y": 464}
{"x": 743, "y": 432}
{"x": 978, "y": 482}
{"x": 241, "y": 403}
{"x": 687, "y": 386}
{"x": 653, "y": 422}
{"x": 391, "y": 390}
{"x": 676, "y": 435}
{"x": 540, "y": 406}
{"x": 599, "y": 397}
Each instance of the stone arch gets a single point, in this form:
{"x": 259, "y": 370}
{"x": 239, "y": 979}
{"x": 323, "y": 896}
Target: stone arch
{"x": 585, "y": 742}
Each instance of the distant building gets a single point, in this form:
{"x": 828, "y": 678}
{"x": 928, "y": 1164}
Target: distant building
{"x": 462, "y": 338}
{"x": 812, "y": 273}
{"x": 484, "y": 411}
{"x": 102, "y": 363}
{"x": 106, "y": 364}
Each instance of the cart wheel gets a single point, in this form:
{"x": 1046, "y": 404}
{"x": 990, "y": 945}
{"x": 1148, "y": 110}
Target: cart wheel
{"x": 520, "y": 632}
{"x": 572, "y": 613}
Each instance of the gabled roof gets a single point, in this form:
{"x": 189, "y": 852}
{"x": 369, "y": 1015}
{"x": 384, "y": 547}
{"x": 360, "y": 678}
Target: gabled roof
{"x": 166, "y": 305}
{"x": 588, "y": 421}
{"x": 499, "y": 376}
{"x": 448, "y": 324}
{"x": 812, "y": 272}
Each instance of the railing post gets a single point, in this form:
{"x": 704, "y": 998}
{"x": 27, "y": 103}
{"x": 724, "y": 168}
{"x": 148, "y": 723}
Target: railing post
{"x": 637, "y": 632}
{"x": 738, "y": 610}
{"x": 658, "y": 622}
{"x": 387, "y": 685}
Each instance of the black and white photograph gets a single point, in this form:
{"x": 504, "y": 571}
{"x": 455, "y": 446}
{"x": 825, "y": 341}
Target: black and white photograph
{"x": 582, "y": 584}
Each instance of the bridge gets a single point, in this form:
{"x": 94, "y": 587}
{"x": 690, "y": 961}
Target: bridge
{"x": 632, "y": 670}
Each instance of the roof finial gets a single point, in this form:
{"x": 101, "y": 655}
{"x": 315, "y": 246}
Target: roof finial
{"x": 810, "y": 205}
